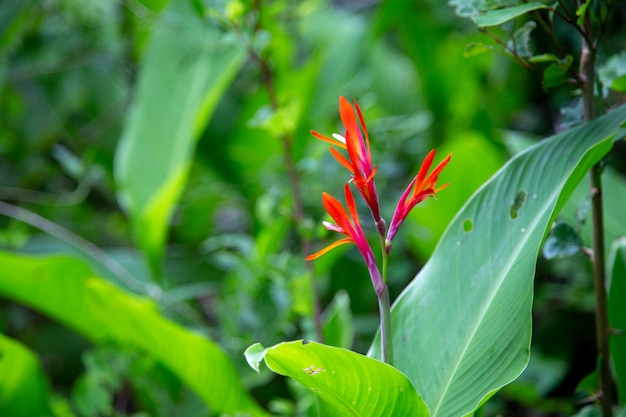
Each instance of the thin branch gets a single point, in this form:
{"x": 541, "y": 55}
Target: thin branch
{"x": 587, "y": 69}
{"x": 570, "y": 17}
{"x": 511, "y": 52}
{"x": 98, "y": 255}
{"x": 78, "y": 242}
{"x": 603, "y": 330}
{"x": 292, "y": 172}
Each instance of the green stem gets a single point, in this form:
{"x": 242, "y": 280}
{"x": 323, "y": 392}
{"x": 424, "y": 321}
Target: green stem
{"x": 384, "y": 308}
{"x": 292, "y": 174}
{"x": 386, "y": 344}
{"x": 587, "y": 69}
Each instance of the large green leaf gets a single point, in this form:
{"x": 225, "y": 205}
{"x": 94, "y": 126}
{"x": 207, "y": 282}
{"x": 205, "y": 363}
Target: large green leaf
{"x": 617, "y": 313}
{"x": 67, "y": 290}
{"x": 187, "y": 66}
{"x": 23, "y": 387}
{"x": 462, "y": 327}
{"x": 347, "y": 383}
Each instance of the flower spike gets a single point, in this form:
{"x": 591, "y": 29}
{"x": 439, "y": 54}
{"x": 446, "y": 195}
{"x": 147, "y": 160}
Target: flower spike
{"x": 348, "y": 224}
{"x": 359, "y": 160}
{"x": 420, "y": 188}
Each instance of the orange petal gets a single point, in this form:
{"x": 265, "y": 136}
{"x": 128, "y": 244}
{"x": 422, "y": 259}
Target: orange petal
{"x": 351, "y": 204}
{"x": 421, "y": 175}
{"x": 335, "y": 210}
{"x": 329, "y": 248}
{"x": 432, "y": 178}
{"x": 342, "y": 160}
{"x": 329, "y": 140}
{"x": 367, "y": 138}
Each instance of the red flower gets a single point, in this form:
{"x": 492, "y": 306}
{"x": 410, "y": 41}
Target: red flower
{"x": 359, "y": 161}
{"x": 422, "y": 187}
{"x": 348, "y": 224}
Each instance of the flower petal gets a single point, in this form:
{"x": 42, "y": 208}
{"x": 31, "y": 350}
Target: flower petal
{"x": 342, "y": 160}
{"x": 328, "y": 248}
{"x": 332, "y": 141}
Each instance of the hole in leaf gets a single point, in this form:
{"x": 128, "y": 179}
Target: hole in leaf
{"x": 468, "y": 225}
{"x": 520, "y": 198}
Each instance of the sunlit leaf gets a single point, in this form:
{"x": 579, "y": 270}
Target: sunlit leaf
{"x": 462, "y": 327}
{"x": 347, "y": 383}
{"x": 187, "y": 66}
{"x": 338, "y": 322}
{"x": 476, "y": 48}
{"x": 581, "y": 12}
{"x": 23, "y": 387}
{"x": 67, "y": 290}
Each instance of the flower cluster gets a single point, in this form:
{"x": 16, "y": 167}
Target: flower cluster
{"x": 359, "y": 164}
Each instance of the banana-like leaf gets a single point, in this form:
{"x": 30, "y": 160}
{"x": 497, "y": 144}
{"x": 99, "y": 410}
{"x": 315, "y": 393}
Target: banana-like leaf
{"x": 347, "y": 383}
{"x": 67, "y": 290}
{"x": 186, "y": 68}
{"x": 617, "y": 314}
{"x": 23, "y": 386}
{"x": 462, "y": 327}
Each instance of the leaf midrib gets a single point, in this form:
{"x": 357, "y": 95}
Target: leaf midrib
{"x": 492, "y": 295}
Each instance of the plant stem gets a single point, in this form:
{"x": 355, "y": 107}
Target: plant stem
{"x": 292, "y": 174}
{"x": 587, "y": 69}
{"x": 603, "y": 329}
{"x": 386, "y": 344}
{"x": 305, "y": 244}
{"x": 384, "y": 308}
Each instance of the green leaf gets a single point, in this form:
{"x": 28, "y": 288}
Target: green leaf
{"x": 462, "y": 327}
{"x": 476, "y": 48}
{"x": 521, "y": 39}
{"x": 617, "y": 313}
{"x": 562, "y": 242}
{"x": 613, "y": 73}
{"x": 556, "y": 74}
{"x": 578, "y": 208}
{"x": 186, "y": 68}
{"x": 499, "y": 16}
{"x": 254, "y": 355}
{"x": 23, "y": 388}
{"x": 589, "y": 411}
{"x": 67, "y": 290}
{"x": 581, "y": 12}
{"x": 338, "y": 321}
{"x": 347, "y": 383}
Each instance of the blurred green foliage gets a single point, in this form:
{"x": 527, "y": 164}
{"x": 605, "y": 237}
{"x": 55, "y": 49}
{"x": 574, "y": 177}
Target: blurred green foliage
{"x": 227, "y": 259}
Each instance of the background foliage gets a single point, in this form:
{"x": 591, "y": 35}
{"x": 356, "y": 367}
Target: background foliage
{"x": 149, "y": 226}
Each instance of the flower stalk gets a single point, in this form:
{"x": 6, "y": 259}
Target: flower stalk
{"x": 384, "y": 308}
{"x": 359, "y": 163}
